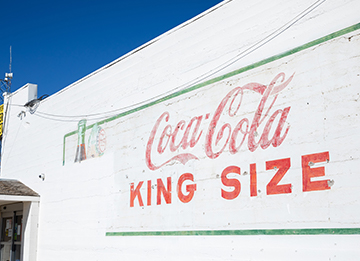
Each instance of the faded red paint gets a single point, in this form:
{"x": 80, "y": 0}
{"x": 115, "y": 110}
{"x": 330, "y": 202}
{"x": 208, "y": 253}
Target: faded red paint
{"x": 162, "y": 190}
{"x": 166, "y": 193}
{"x": 135, "y": 193}
{"x": 191, "y": 188}
{"x": 282, "y": 166}
{"x": 253, "y": 180}
{"x": 309, "y": 172}
{"x": 227, "y": 135}
{"x": 171, "y": 136}
{"x": 230, "y": 183}
{"x": 149, "y": 193}
{"x": 272, "y": 188}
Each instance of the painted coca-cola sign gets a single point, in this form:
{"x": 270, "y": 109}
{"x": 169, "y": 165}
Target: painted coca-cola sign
{"x": 183, "y": 136}
{"x": 260, "y": 147}
{"x": 235, "y": 127}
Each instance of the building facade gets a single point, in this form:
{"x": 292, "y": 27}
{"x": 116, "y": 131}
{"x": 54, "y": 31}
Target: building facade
{"x": 232, "y": 136}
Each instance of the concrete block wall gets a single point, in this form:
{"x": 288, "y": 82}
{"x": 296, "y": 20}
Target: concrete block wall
{"x": 86, "y": 208}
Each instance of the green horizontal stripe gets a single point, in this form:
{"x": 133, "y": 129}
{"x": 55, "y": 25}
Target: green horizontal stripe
{"x": 220, "y": 78}
{"x": 253, "y": 232}
{"x": 241, "y": 70}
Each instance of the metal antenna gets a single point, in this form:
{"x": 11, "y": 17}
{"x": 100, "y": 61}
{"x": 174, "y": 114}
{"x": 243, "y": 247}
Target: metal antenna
{"x": 5, "y": 84}
{"x": 10, "y": 61}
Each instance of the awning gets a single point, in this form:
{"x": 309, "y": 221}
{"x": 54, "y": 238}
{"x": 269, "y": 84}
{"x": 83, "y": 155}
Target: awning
{"x": 12, "y": 190}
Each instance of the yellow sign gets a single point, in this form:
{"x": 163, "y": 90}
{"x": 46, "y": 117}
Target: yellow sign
{"x": 1, "y": 118}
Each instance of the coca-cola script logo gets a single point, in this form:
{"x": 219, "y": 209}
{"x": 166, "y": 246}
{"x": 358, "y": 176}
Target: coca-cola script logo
{"x": 185, "y": 136}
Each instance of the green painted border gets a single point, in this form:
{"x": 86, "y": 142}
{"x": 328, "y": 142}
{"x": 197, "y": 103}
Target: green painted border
{"x": 220, "y": 78}
{"x": 253, "y": 232}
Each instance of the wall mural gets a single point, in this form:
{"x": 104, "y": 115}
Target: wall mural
{"x": 96, "y": 142}
{"x": 259, "y": 145}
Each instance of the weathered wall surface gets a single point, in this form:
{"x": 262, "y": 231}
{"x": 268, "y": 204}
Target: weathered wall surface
{"x": 216, "y": 141}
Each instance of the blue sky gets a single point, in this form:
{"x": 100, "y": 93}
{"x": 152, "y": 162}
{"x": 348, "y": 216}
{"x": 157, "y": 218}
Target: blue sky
{"x": 55, "y": 43}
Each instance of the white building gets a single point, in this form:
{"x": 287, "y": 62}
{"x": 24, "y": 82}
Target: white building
{"x": 234, "y": 136}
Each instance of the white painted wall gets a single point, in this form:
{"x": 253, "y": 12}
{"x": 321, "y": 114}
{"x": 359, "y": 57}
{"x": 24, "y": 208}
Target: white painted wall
{"x": 30, "y": 230}
{"x": 81, "y": 202}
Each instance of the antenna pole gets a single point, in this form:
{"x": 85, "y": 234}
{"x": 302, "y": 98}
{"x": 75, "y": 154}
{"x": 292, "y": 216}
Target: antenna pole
{"x": 10, "y": 61}
{"x": 5, "y": 84}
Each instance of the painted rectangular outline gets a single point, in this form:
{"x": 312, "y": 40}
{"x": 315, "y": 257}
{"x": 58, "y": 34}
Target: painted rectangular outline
{"x": 220, "y": 78}
{"x": 244, "y": 232}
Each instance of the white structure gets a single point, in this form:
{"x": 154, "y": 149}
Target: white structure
{"x": 233, "y": 136}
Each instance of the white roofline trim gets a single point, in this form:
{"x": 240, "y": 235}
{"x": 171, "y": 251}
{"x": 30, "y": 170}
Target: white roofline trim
{"x": 19, "y": 198}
